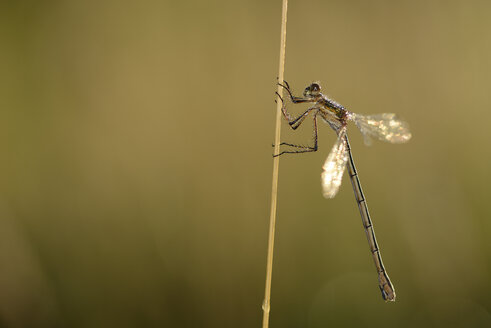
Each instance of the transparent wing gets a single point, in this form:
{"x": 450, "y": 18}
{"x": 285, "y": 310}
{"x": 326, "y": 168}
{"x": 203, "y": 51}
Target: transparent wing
{"x": 334, "y": 166}
{"x": 385, "y": 127}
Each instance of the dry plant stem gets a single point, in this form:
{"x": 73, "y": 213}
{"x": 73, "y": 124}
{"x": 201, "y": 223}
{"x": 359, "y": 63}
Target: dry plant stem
{"x": 276, "y": 163}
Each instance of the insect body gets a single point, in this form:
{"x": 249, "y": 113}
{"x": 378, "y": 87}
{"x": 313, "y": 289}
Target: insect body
{"x": 385, "y": 127}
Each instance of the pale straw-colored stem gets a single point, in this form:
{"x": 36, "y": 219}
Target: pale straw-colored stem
{"x": 276, "y": 163}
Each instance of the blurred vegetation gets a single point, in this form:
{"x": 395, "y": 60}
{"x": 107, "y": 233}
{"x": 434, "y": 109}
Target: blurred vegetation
{"x": 136, "y": 164}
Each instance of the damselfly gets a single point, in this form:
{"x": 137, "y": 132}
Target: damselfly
{"x": 385, "y": 127}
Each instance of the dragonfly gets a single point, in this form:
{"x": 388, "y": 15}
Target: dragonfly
{"x": 386, "y": 127}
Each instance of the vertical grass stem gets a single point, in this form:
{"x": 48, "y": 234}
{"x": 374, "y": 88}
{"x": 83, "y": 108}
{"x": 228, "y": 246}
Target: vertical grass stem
{"x": 276, "y": 163}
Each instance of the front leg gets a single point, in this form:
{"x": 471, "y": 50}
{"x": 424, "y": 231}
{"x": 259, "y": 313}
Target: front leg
{"x": 294, "y": 99}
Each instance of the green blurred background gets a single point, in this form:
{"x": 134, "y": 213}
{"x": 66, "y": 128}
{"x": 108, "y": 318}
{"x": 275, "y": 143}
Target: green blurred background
{"x": 136, "y": 164}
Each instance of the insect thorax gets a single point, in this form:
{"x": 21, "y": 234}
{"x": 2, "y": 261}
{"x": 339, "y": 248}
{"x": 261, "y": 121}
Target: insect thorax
{"x": 334, "y": 107}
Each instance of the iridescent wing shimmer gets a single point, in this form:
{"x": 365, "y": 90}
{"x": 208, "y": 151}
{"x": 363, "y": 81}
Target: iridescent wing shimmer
{"x": 334, "y": 166}
{"x": 385, "y": 127}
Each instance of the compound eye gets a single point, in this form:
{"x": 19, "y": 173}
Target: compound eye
{"x": 315, "y": 87}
